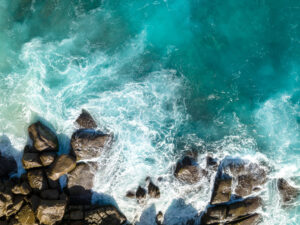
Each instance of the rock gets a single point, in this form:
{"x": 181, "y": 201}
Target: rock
{"x": 85, "y": 120}
{"x": 53, "y": 184}
{"x": 244, "y": 207}
{"x": 188, "y": 171}
{"x": 43, "y": 138}
{"x": 50, "y": 194}
{"x": 153, "y": 190}
{"x": 231, "y": 211}
{"x": 6, "y": 200}
{"x": 34, "y": 202}
{"x": 222, "y": 189}
{"x": 88, "y": 144}
{"x": 47, "y": 158}
{"x": 140, "y": 193}
{"x": 253, "y": 219}
{"x": 26, "y": 216}
{"x": 31, "y": 160}
{"x": 104, "y": 215}
{"x": 130, "y": 194}
{"x": 211, "y": 162}
{"x": 37, "y": 179}
{"x": 81, "y": 181}
{"x": 287, "y": 192}
{"x": 75, "y": 212}
{"x": 62, "y": 165}
{"x": 21, "y": 188}
{"x": 159, "y": 219}
{"x": 50, "y": 211}
{"x": 15, "y": 207}
{"x": 8, "y": 166}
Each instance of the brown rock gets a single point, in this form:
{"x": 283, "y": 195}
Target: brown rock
{"x": 88, "y": 144}
{"x": 21, "y": 188}
{"x": 50, "y": 211}
{"x": 62, "y": 165}
{"x": 187, "y": 171}
{"x": 104, "y": 215}
{"x": 47, "y": 158}
{"x": 37, "y": 179}
{"x": 50, "y": 194}
{"x": 8, "y": 166}
{"x": 15, "y": 207}
{"x": 222, "y": 189}
{"x": 287, "y": 192}
{"x": 215, "y": 214}
{"x": 140, "y": 193}
{"x": 130, "y": 194}
{"x": 26, "y": 216}
{"x": 43, "y": 138}
{"x": 85, "y": 120}
{"x": 6, "y": 201}
{"x": 253, "y": 219}
{"x": 244, "y": 207}
{"x": 31, "y": 160}
{"x": 153, "y": 190}
{"x": 159, "y": 219}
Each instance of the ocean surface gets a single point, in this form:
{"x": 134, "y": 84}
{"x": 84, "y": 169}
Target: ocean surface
{"x": 165, "y": 77}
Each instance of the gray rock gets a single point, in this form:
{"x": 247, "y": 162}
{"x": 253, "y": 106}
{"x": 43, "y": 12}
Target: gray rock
{"x": 85, "y": 120}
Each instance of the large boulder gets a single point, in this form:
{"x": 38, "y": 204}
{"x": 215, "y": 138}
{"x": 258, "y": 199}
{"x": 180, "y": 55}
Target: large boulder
{"x": 26, "y": 215}
{"x": 8, "y": 166}
{"x": 37, "y": 179}
{"x": 81, "y": 181}
{"x": 287, "y": 192}
{"x": 188, "y": 171}
{"x": 43, "y": 138}
{"x": 222, "y": 189}
{"x": 31, "y": 160}
{"x": 88, "y": 143}
{"x": 51, "y": 211}
{"x": 104, "y": 215}
{"x": 85, "y": 120}
{"x": 62, "y": 165}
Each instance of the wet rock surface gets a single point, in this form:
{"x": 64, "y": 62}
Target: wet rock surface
{"x": 85, "y": 120}
{"x": 62, "y": 165}
{"x": 88, "y": 143}
{"x": 287, "y": 192}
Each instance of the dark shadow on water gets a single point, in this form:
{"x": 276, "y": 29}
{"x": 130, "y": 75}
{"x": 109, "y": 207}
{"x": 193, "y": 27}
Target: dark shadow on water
{"x": 148, "y": 216}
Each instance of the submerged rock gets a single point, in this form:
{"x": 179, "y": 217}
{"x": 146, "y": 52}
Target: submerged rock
{"x": 62, "y": 165}
{"x": 85, "y": 120}
{"x": 50, "y": 211}
{"x": 287, "y": 192}
{"x": 88, "y": 143}
{"x": 104, "y": 215}
{"x": 43, "y": 138}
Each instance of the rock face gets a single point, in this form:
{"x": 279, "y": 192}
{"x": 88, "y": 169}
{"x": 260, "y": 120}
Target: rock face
{"x": 26, "y": 216}
{"x": 51, "y": 211}
{"x": 8, "y": 166}
{"x": 31, "y": 160}
{"x": 222, "y": 189}
{"x": 37, "y": 179}
{"x": 88, "y": 143}
{"x": 140, "y": 193}
{"x": 21, "y": 189}
{"x": 247, "y": 220}
{"x": 105, "y": 215}
{"x": 85, "y": 120}
{"x": 287, "y": 192}
{"x": 233, "y": 211}
{"x": 153, "y": 190}
{"x": 188, "y": 171}
{"x": 62, "y": 165}
{"x": 43, "y": 138}
{"x": 47, "y": 158}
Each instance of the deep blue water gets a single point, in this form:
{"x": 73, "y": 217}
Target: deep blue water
{"x": 164, "y": 77}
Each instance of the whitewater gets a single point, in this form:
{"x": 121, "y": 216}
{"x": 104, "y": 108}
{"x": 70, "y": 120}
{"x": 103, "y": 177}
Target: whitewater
{"x": 163, "y": 77}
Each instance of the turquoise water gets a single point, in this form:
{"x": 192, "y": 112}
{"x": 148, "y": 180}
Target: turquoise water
{"x": 164, "y": 77}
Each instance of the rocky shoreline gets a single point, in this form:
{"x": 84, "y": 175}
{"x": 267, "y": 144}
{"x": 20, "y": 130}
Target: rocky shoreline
{"x": 37, "y": 196}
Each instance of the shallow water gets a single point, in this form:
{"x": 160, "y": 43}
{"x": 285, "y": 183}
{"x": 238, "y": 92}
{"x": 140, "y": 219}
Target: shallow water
{"x": 164, "y": 77}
